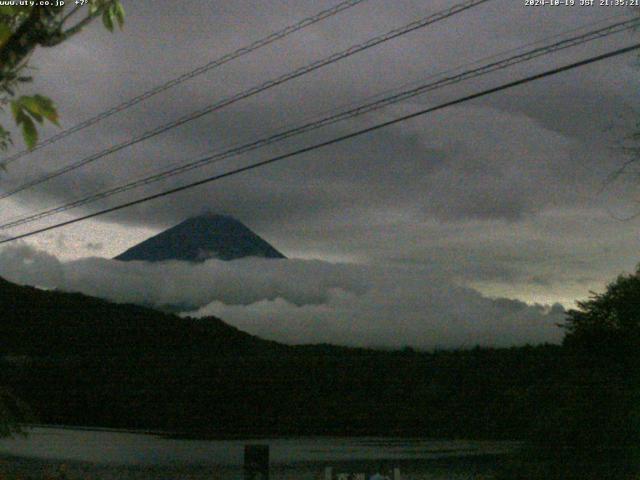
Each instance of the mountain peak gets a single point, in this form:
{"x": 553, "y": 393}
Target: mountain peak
{"x": 200, "y": 238}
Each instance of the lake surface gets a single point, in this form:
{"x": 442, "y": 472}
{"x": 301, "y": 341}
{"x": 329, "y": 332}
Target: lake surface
{"x": 118, "y": 454}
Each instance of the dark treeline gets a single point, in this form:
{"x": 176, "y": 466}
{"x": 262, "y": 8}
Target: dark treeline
{"x": 78, "y": 360}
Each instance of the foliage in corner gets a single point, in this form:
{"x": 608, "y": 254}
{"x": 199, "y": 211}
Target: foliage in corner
{"x": 22, "y": 30}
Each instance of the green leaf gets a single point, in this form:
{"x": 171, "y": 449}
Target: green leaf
{"x": 118, "y": 11}
{"x": 22, "y": 117}
{"x": 107, "y": 19}
{"x": 10, "y": 11}
{"x": 36, "y": 116}
{"x": 29, "y": 132}
{"x": 16, "y": 109}
{"x": 5, "y": 33}
{"x": 38, "y": 107}
{"x": 31, "y": 105}
{"x": 27, "y": 109}
{"x": 93, "y": 7}
{"x": 46, "y": 108}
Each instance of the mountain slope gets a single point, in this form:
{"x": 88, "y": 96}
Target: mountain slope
{"x": 200, "y": 238}
{"x": 41, "y": 323}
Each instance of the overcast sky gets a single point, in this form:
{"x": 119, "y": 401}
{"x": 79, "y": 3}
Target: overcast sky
{"x": 500, "y": 198}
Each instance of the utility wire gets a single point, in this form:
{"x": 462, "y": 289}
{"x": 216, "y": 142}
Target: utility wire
{"x": 254, "y": 91}
{"x": 384, "y": 93}
{"x": 263, "y": 42}
{"x": 360, "y": 110}
{"x": 333, "y": 141}
{"x": 387, "y": 92}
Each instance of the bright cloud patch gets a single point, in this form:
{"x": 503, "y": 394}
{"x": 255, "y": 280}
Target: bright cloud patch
{"x": 303, "y": 301}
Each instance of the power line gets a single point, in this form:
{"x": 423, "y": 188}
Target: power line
{"x": 360, "y": 110}
{"x": 333, "y": 141}
{"x": 415, "y": 25}
{"x": 390, "y": 91}
{"x": 263, "y": 42}
{"x": 396, "y": 89}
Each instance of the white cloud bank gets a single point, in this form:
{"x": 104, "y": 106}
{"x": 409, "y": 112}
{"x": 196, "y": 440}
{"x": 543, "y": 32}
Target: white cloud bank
{"x": 303, "y": 301}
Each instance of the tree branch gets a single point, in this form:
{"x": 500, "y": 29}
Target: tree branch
{"x": 73, "y": 11}
{"x": 65, "y": 35}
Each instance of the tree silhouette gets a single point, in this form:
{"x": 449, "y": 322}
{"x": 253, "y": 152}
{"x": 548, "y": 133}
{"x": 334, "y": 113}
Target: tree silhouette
{"x": 608, "y": 323}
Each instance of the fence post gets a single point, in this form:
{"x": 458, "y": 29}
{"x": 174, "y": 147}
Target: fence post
{"x": 328, "y": 473}
{"x": 396, "y": 474}
{"x": 256, "y": 462}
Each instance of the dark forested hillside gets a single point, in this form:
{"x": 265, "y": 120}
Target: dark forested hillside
{"x": 51, "y": 324}
{"x": 83, "y": 361}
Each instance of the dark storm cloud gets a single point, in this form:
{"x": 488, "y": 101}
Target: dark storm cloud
{"x": 500, "y": 190}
